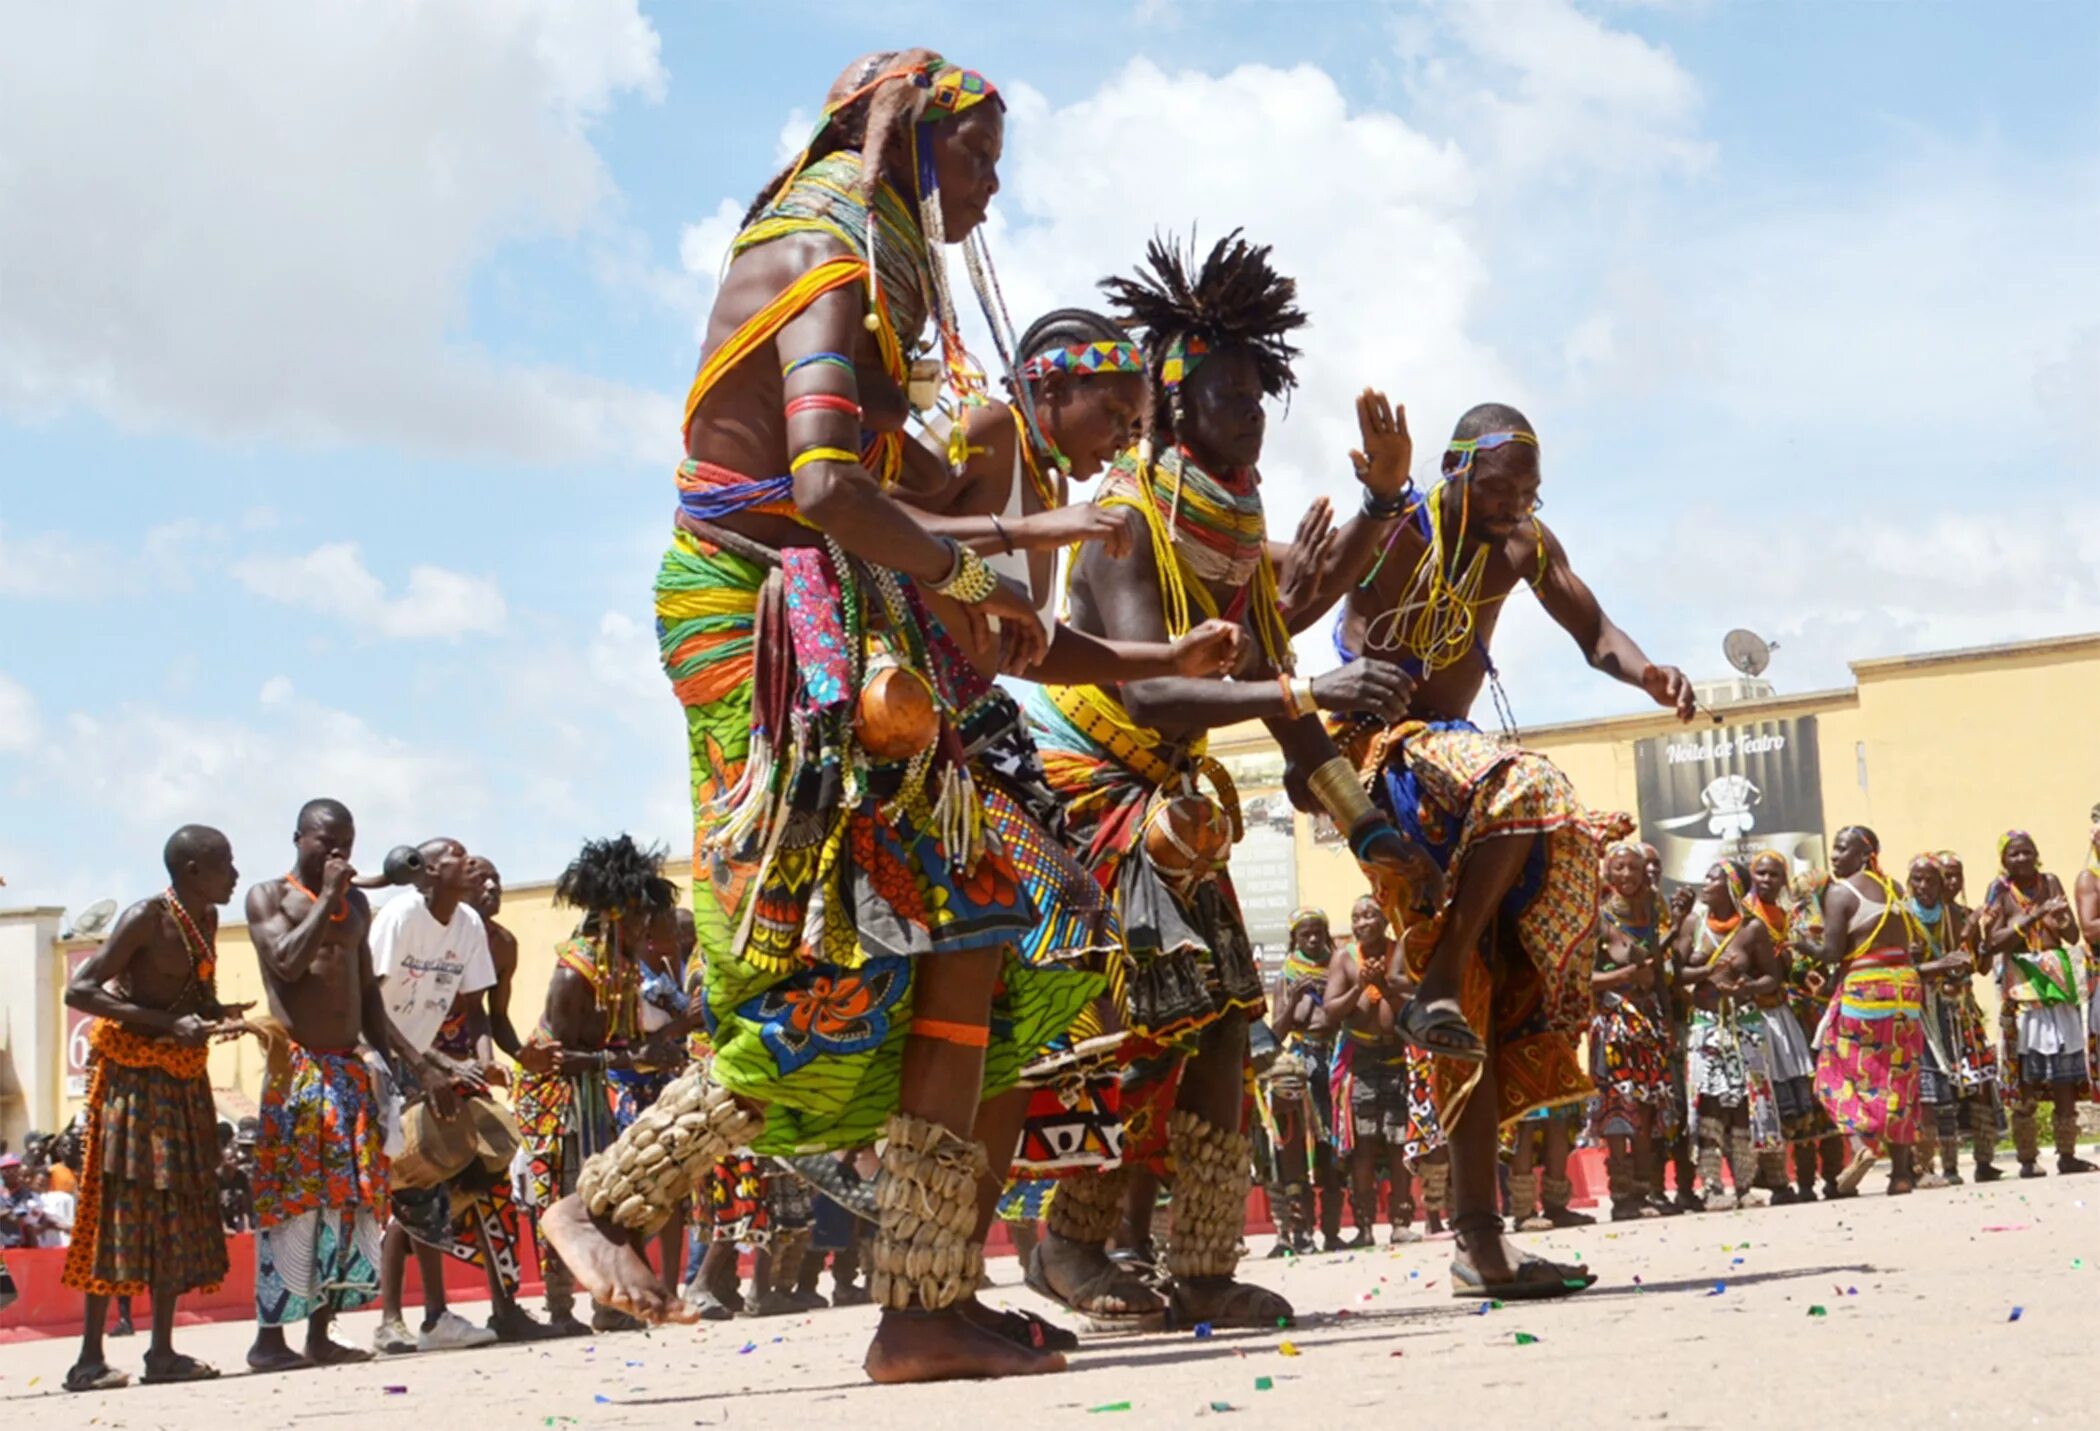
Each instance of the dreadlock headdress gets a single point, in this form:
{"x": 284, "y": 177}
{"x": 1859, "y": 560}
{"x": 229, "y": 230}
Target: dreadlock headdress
{"x": 1235, "y": 300}
{"x": 608, "y": 880}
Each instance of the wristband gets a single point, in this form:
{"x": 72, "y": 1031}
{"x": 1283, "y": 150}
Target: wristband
{"x": 1384, "y": 509}
{"x": 972, "y": 581}
{"x": 1303, "y": 686}
{"x": 1360, "y": 838}
{"x": 1291, "y": 706}
{"x": 1006, "y": 543}
{"x": 1337, "y": 789}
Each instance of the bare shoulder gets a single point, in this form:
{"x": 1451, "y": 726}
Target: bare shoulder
{"x": 264, "y": 901}
{"x": 503, "y": 947}
{"x": 756, "y": 275}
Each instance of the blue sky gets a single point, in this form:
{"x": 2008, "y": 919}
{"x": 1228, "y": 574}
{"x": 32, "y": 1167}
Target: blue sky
{"x": 340, "y": 347}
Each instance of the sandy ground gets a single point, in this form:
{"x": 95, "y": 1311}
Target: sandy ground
{"x": 1739, "y": 1319}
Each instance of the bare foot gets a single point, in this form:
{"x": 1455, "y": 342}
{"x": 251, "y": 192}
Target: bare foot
{"x": 608, "y": 1266}
{"x": 1085, "y": 1278}
{"x": 942, "y": 1346}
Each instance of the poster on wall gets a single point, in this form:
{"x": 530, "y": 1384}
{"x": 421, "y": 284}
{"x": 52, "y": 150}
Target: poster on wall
{"x": 1731, "y": 790}
{"x": 78, "y": 1026}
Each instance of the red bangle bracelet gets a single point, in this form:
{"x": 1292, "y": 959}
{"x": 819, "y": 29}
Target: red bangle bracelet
{"x": 824, "y": 402}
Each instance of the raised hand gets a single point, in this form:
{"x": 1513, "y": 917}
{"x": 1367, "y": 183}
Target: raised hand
{"x": 1388, "y": 453}
{"x": 1311, "y": 554}
{"x": 336, "y": 875}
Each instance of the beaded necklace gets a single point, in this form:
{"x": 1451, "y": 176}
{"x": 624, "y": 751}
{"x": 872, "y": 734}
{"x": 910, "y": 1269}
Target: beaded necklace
{"x": 342, "y": 912}
{"x": 1051, "y": 496}
{"x": 203, "y": 967}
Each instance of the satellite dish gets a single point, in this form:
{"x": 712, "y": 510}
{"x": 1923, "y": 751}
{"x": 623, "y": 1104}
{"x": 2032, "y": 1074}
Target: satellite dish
{"x": 95, "y": 919}
{"x": 1747, "y": 651}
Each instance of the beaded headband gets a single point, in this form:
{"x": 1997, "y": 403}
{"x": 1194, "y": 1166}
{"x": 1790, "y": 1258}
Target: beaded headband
{"x": 1468, "y": 447}
{"x": 953, "y": 88}
{"x": 1087, "y": 359}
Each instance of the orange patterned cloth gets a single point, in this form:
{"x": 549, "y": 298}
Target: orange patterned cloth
{"x": 133, "y": 1049}
{"x": 149, "y": 1185}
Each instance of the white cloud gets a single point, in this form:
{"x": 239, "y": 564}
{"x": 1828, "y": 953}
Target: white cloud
{"x": 1390, "y": 292}
{"x": 257, "y": 221}
{"x": 19, "y": 724}
{"x": 1551, "y": 93}
{"x": 333, "y": 580}
{"x": 58, "y": 566}
{"x": 138, "y": 772}
{"x": 47, "y": 565}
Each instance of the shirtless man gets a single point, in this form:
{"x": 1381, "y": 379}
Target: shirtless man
{"x": 148, "y": 1216}
{"x": 1731, "y": 968}
{"x": 1429, "y": 606}
{"x": 320, "y": 1161}
{"x": 485, "y": 896}
{"x": 1465, "y": 546}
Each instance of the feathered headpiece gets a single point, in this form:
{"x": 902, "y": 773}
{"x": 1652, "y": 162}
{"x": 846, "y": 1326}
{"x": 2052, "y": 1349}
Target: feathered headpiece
{"x": 612, "y": 877}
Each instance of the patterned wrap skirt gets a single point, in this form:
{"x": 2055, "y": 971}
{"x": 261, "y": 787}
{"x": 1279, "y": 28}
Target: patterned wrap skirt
{"x": 815, "y": 913}
{"x": 1183, "y": 960}
{"x": 565, "y": 1118}
{"x": 1630, "y": 1064}
{"x": 321, "y": 1188}
{"x": 1450, "y": 787}
{"x": 1871, "y": 1048}
{"x": 148, "y": 1214}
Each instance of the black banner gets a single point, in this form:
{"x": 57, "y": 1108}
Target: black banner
{"x": 1731, "y": 790}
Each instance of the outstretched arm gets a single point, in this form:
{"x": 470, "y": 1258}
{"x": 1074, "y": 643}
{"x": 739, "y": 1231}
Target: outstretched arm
{"x": 1570, "y": 602}
{"x": 1123, "y": 597}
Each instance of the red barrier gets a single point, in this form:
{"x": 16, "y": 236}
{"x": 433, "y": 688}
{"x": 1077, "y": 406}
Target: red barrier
{"x": 46, "y": 1309}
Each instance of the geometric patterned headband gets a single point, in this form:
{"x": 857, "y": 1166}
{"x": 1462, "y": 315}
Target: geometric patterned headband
{"x": 1086, "y": 359}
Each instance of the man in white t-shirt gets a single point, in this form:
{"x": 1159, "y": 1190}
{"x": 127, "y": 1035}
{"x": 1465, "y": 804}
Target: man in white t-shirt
{"x": 430, "y": 952}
